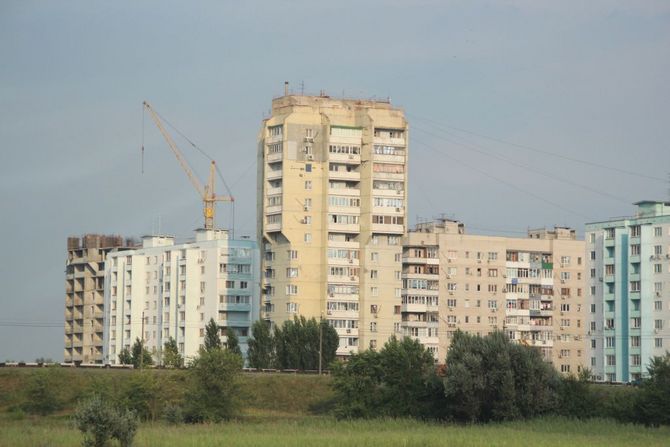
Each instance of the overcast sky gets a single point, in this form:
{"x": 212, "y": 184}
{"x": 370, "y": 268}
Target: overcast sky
{"x": 574, "y": 85}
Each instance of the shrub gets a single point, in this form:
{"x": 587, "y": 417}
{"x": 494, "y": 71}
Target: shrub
{"x": 398, "y": 381}
{"x": 99, "y": 422}
{"x": 141, "y": 393}
{"x": 491, "y": 379}
{"x": 42, "y": 395}
{"x": 213, "y": 389}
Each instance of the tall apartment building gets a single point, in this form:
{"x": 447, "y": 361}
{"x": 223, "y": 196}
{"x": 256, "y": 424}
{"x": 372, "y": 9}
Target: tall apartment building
{"x": 332, "y": 185}
{"x": 165, "y": 290}
{"x": 629, "y": 292}
{"x": 530, "y": 288}
{"x": 84, "y": 282}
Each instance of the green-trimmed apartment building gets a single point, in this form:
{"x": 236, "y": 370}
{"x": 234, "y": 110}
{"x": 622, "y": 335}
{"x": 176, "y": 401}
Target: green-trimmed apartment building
{"x": 628, "y": 275}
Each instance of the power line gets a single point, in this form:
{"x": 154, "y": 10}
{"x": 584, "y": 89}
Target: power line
{"x": 511, "y": 185}
{"x": 527, "y": 167}
{"x": 541, "y": 151}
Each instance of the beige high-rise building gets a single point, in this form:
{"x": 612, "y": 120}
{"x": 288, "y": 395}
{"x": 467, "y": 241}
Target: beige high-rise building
{"x": 84, "y": 285}
{"x": 332, "y": 185}
{"x": 531, "y": 288}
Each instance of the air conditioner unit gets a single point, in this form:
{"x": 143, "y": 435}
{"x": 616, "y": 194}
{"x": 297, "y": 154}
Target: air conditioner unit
{"x": 309, "y": 157}
{"x": 451, "y": 293}
{"x": 309, "y": 140}
{"x": 330, "y": 312}
{"x": 353, "y": 278}
{"x": 348, "y": 331}
{"x": 398, "y": 209}
{"x": 351, "y": 261}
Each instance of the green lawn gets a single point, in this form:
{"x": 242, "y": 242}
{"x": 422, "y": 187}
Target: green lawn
{"x": 325, "y": 432}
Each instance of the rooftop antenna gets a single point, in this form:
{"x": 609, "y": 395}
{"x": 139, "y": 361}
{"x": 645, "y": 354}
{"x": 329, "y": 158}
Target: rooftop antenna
{"x": 285, "y": 88}
{"x": 302, "y": 88}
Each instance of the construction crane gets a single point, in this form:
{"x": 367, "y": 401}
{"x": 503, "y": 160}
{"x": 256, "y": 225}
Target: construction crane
{"x": 207, "y": 193}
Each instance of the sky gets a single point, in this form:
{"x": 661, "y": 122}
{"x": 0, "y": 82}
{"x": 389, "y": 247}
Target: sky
{"x": 522, "y": 114}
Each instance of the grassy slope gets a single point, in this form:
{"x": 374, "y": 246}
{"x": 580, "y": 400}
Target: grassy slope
{"x": 280, "y": 410}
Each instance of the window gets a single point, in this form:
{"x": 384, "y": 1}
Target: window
{"x": 493, "y": 273}
{"x": 308, "y": 237}
{"x": 291, "y": 289}
{"x": 635, "y": 286}
{"x": 611, "y": 360}
{"x": 451, "y": 302}
{"x": 373, "y": 326}
{"x": 593, "y": 290}
{"x": 658, "y": 250}
{"x": 293, "y": 254}
{"x": 373, "y": 274}
{"x": 658, "y": 268}
{"x": 635, "y": 360}
{"x": 308, "y": 184}
{"x": 635, "y": 250}
{"x": 565, "y": 276}
{"x": 635, "y": 231}
{"x": 308, "y": 167}
{"x": 374, "y": 291}
{"x": 635, "y": 341}
{"x": 658, "y": 342}
{"x": 635, "y": 322}
{"x": 593, "y": 255}
{"x": 658, "y": 324}
{"x": 292, "y": 272}
{"x": 292, "y": 308}
{"x": 658, "y": 231}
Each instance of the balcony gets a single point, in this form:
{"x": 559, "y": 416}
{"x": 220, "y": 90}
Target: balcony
{"x": 389, "y": 158}
{"x": 273, "y": 175}
{"x": 395, "y": 193}
{"x": 414, "y": 308}
{"x": 272, "y": 227}
{"x": 348, "y": 158}
{"x": 344, "y": 228}
{"x": 354, "y": 176}
{"x": 388, "y": 228}
{"x": 276, "y": 156}
{"x": 273, "y": 191}
{"x": 275, "y": 209}
{"x": 351, "y": 192}
{"x": 342, "y": 332}
{"x": 388, "y": 176}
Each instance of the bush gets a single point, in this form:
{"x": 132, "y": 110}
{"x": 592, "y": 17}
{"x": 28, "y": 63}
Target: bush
{"x": 213, "y": 388}
{"x": 141, "y": 393}
{"x": 42, "y": 395}
{"x": 173, "y": 414}
{"x": 491, "y": 379}
{"x": 99, "y": 421}
{"x": 398, "y": 381}
{"x": 296, "y": 344}
{"x": 653, "y": 403}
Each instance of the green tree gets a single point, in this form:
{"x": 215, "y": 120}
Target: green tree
{"x": 100, "y": 421}
{"x": 232, "y": 342}
{"x": 261, "y": 346}
{"x": 653, "y": 403}
{"x": 575, "y": 397}
{"x": 141, "y": 393}
{"x": 398, "y": 381}
{"x": 297, "y": 344}
{"x": 213, "y": 389}
{"x": 125, "y": 357}
{"x": 141, "y": 356}
{"x": 171, "y": 356}
{"x": 491, "y": 379}
{"x": 212, "y": 339}
{"x": 42, "y": 392}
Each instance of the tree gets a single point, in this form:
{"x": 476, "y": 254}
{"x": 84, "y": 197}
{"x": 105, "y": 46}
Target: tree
{"x": 125, "y": 357}
{"x": 232, "y": 343}
{"x": 140, "y": 354}
{"x": 297, "y": 344}
{"x": 653, "y": 403}
{"x": 398, "y": 381}
{"x": 171, "y": 356}
{"x": 261, "y": 346}
{"x": 212, "y": 339}
{"x": 491, "y": 379}
{"x": 99, "y": 421}
{"x": 213, "y": 389}
{"x": 42, "y": 392}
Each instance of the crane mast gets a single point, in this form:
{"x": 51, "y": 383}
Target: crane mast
{"x": 207, "y": 191}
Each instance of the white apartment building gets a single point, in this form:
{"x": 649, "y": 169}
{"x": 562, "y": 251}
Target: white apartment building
{"x": 164, "y": 290}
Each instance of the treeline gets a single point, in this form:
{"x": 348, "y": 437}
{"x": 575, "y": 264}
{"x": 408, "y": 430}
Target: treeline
{"x": 297, "y": 344}
{"x": 487, "y": 379}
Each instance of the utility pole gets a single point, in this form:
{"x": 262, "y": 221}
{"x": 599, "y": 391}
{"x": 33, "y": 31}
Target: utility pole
{"x": 142, "y": 343}
{"x": 320, "y": 341}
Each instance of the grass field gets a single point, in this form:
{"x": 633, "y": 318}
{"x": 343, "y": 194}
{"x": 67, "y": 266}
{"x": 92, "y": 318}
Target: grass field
{"x": 326, "y": 432}
{"x": 289, "y": 410}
